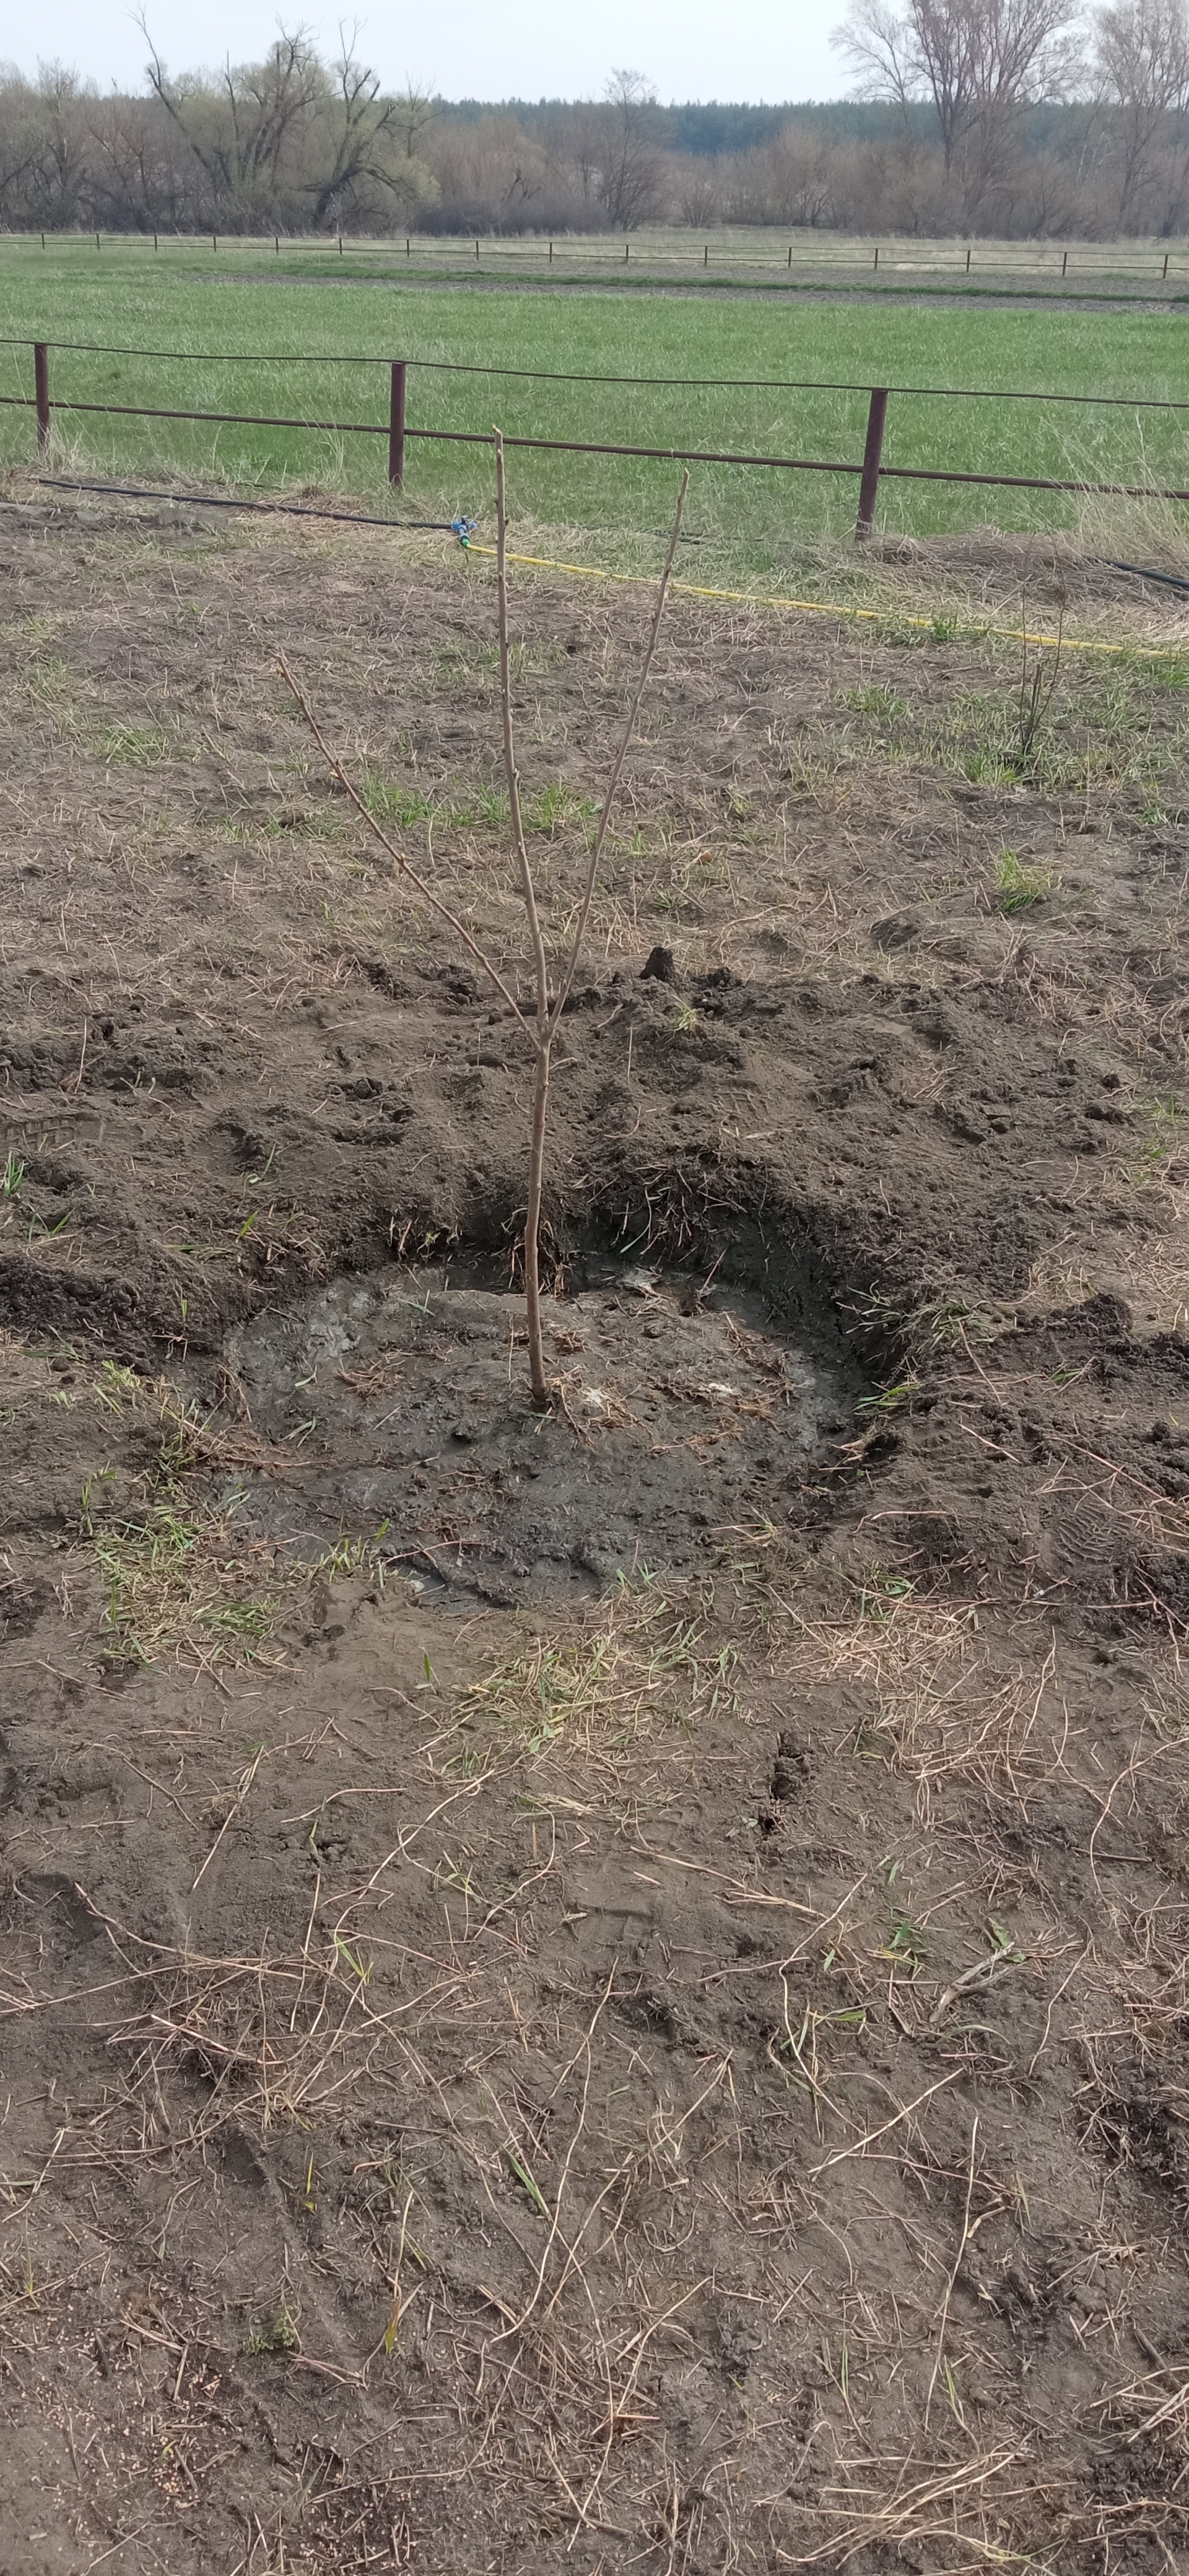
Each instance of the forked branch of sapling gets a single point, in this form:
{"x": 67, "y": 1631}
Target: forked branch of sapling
{"x": 398, "y": 858}
{"x": 541, "y": 1027}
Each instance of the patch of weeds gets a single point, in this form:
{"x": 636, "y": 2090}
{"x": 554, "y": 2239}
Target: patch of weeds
{"x": 1172, "y": 674}
{"x": 1164, "y": 1139}
{"x": 389, "y": 800}
{"x": 250, "y": 828}
{"x": 347, "y": 1556}
{"x": 552, "y": 807}
{"x": 645, "y": 1663}
{"x": 11, "y": 1178}
{"x": 130, "y": 746}
{"x": 538, "y": 1695}
{"x": 523, "y": 2173}
{"x": 881, "y": 1594}
{"x": 41, "y": 1228}
{"x": 899, "y": 632}
{"x": 890, "y": 1398}
{"x": 172, "y": 1580}
{"x": 491, "y": 806}
{"x": 949, "y": 1320}
{"x": 904, "y": 1948}
{"x": 47, "y": 680}
{"x": 875, "y": 699}
{"x": 116, "y": 1390}
{"x": 274, "y": 2334}
{"x": 1018, "y": 887}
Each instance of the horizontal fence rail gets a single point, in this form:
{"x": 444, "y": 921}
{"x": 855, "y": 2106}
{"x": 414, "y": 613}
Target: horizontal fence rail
{"x": 816, "y": 250}
{"x": 871, "y": 470}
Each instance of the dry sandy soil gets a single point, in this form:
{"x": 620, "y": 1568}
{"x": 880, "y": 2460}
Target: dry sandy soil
{"x": 608, "y": 1992}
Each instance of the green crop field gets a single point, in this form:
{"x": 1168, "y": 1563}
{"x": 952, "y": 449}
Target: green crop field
{"x": 370, "y": 305}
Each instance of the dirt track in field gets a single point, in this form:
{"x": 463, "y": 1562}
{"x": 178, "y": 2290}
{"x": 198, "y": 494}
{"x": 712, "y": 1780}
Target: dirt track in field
{"x": 508, "y": 2067}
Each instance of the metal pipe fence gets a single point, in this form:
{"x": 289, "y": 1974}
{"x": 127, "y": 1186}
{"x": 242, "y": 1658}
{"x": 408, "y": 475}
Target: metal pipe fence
{"x": 871, "y": 470}
{"x": 816, "y": 252}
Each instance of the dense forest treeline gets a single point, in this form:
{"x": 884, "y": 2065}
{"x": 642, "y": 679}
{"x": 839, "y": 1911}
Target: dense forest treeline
{"x": 1007, "y": 117}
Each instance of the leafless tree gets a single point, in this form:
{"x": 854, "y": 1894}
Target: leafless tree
{"x": 361, "y": 124}
{"x": 978, "y": 62}
{"x": 1142, "y": 62}
{"x": 630, "y": 177}
{"x": 243, "y": 134}
{"x": 413, "y": 113}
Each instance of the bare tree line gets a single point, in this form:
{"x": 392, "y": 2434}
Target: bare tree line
{"x": 996, "y": 116}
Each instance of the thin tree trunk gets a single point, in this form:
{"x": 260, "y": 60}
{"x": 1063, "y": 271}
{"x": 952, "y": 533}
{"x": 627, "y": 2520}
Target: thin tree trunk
{"x": 538, "y": 1385}
{"x": 544, "y": 1032}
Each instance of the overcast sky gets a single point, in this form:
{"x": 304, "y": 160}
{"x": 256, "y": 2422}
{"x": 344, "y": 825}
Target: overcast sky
{"x": 752, "y": 49}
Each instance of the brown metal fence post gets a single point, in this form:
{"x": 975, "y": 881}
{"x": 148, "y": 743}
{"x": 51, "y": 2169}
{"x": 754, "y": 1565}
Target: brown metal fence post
{"x": 968, "y": 259}
{"x": 872, "y": 454}
{"x": 396, "y": 423}
{"x": 1164, "y": 270}
{"x": 41, "y": 389}
{"x": 875, "y": 262}
{"x": 1064, "y": 261}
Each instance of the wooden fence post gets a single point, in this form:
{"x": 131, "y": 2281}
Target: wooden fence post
{"x": 1064, "y": 261}
{"x": 872, "y": 454}
{"x": 396, "y": 423}
{"x": 875, "y": 262}
{"x": 1164, "y": 270}
{"x": 41, "y": 389}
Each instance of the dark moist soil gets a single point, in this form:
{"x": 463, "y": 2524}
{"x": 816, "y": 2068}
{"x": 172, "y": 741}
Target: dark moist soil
{"x": 677, "y": 1411}
{"x": 602, "y": 2021}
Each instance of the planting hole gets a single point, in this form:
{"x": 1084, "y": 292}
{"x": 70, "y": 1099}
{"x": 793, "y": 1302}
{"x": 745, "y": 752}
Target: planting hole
{"x": 398, "y": 1406}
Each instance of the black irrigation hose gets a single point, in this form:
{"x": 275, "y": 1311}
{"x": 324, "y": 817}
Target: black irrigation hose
{"x": 291, "y": 509}
{"x": 213, "y": 501}
{"x": 1171, "y": 580}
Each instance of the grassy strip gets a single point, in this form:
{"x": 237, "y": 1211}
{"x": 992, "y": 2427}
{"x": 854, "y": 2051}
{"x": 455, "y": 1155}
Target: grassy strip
{"x": 749, "y": 519}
